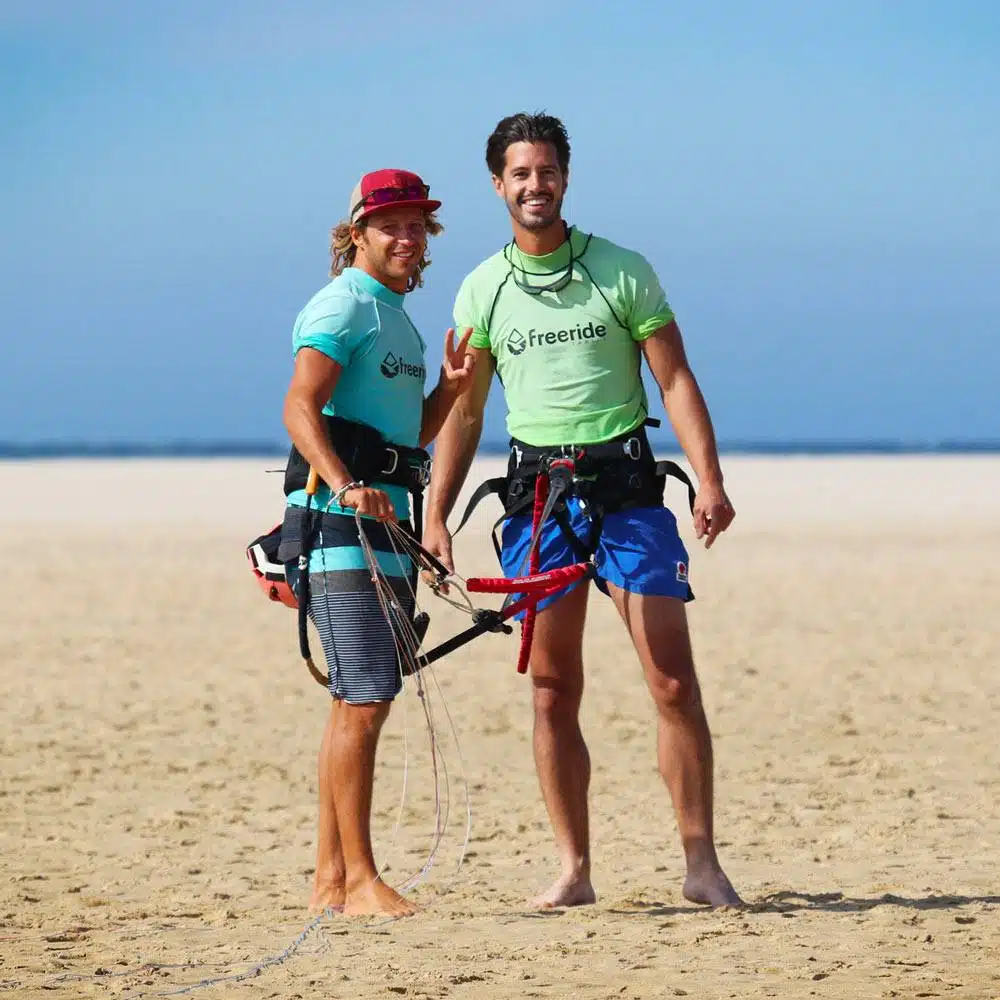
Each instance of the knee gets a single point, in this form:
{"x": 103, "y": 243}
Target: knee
{"x": 555, "y": 699}
{"x": 675, "y": 692}
{"x": 365, "y": 720}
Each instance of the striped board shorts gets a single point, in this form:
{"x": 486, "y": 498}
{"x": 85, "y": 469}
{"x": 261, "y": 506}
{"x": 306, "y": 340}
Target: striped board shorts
{"x": 361, "y": 636}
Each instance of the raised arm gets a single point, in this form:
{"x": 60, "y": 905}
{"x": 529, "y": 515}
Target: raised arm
{"x": 453, "y": 453}
{"x": 455, "y": 379}
{"x": 689, "y": 416}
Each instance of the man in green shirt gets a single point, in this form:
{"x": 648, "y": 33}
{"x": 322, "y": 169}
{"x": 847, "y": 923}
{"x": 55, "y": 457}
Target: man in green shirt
{"x": 565, "y": 319}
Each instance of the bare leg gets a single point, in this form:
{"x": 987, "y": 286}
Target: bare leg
{"x": 353, "y": 739}
{"x": 329, "y": 881}
{"x": 659, "y": 630}
{"x": 561, "y": 756}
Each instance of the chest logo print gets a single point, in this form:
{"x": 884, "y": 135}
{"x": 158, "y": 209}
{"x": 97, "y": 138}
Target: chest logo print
{"x": 390, "y": 365}
{"x": 516, "y": 342}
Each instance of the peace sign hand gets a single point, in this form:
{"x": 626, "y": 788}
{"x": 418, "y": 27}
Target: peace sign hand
{"x": 459, "y": 363}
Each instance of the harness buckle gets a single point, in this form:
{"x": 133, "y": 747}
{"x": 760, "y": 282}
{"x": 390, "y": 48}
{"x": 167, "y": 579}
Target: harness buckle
{"x": 561, "y": 473}
{"x": 423, "y": 472}
{"x": 567, "y": 464}
{"x": 394, "y": 461}
{"x": 633, "y": 449}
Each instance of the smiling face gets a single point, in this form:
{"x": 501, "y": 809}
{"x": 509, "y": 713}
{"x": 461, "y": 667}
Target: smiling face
{"x": 391, "y": 245}
{"x": 532, "y": 185}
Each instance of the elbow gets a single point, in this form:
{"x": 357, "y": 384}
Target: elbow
{"x": 679, "y": 379}
{"x": 295, "y": 407}
{"x": 466, "y": 415}
{"x": 288, "y": 415}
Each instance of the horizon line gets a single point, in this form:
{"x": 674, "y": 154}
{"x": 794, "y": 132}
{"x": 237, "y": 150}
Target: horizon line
{"x": 186, "y": 448}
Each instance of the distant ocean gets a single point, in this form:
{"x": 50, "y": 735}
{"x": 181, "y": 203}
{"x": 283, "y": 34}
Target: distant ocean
{"x": 270, "y": 450}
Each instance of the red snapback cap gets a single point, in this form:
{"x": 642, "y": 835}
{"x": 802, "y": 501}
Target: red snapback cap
{"x": 383, "y": 189}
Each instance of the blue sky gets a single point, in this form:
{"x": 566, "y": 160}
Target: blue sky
{"x": 817, "y": 184}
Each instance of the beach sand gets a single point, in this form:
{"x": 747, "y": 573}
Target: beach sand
{"x": 159, "y": 734}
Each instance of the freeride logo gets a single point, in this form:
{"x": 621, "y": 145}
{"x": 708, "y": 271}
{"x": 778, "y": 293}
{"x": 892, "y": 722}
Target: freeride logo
{"x": 392, "y": 366}
{"x": 518, "y": 343}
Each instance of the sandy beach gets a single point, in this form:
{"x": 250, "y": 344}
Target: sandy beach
{"x": 159, "y": 736}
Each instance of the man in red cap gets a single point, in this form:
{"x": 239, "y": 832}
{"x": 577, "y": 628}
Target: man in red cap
{"x": 356, "y": 396}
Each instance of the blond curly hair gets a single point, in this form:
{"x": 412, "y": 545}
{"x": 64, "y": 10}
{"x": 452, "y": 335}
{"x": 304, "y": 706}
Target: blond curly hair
{"x": 343, "y": 249}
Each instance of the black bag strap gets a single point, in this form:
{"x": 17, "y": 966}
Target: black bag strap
{"x": 583, "y": 550}
{"x": 670, "y": 468}
{"x": 497, "y": 485}
{"x": 303, "y": 581}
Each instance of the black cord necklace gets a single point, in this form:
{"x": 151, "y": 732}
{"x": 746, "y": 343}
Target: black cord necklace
{"x": 560, "y": 276}
{"x": 563, "y": 276}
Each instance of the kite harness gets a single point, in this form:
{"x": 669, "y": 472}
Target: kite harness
{"x": 607, "y": 477}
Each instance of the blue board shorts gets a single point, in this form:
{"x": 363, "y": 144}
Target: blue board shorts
{"x": 639, "y": 551}
{"x": 362, "y": 639}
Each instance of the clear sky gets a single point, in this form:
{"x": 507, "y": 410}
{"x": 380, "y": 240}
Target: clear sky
{"x": 817, "y": 184}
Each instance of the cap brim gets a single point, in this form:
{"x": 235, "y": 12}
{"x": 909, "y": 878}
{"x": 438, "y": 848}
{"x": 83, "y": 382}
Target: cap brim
{"x": 428, "y": 205}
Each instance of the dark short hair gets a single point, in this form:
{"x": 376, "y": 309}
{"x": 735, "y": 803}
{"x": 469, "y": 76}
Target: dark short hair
{"x": 523, "y": 127}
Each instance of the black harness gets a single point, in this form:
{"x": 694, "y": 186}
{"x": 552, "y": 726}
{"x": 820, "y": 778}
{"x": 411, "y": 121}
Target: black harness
{"x": 370, "y": 459}
{"x": 608, "y": 477}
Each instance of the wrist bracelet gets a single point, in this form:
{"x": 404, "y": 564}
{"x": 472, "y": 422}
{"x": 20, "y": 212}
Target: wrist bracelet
{"x": 338, "y": 497}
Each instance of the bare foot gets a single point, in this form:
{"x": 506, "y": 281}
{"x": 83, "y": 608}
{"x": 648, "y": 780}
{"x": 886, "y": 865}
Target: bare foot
{"x": 374, "y": 896}
{"x": 710, "y": 886}
{"x": 327, "y": 896}
{"x": 568, "y": 890}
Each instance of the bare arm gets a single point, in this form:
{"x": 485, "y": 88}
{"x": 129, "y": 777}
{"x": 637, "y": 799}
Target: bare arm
{"x": 437, "y": 406}
{"x": 683, "y": 401}
{"x": 458, "y": 440}
{"x": 456, "y": 378}
{"x": 689, "y": 417}
{"x": 313, "y": 381}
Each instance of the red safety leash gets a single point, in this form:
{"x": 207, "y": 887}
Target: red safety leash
{"x": 536, "y": 584}
{"x": 534, "y": 564}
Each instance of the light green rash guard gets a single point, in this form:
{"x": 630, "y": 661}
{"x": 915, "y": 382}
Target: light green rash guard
{"x": 568, "y": 356}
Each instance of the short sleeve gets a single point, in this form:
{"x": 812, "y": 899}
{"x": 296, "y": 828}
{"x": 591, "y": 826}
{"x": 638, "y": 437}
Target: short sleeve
{"x": 468, "y": 313}
{"x": 647, "y": 307}
{"x": 338, "y": 329}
